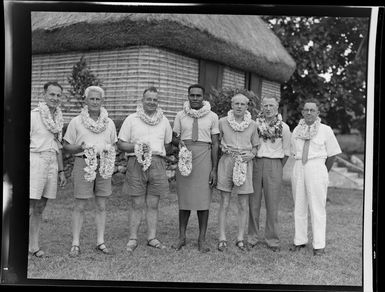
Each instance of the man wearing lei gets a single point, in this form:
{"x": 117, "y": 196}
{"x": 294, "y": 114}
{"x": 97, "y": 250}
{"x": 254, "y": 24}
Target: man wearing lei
{"x": 272, "y": 155}
{"x": 314, "y": 147}
{"x": 46, "y": 161}
{"x": 238, "y": 141}
{"x": 196, "y": 127}
{"x": 91, "y": 137}
{"x": 145, "y": 136}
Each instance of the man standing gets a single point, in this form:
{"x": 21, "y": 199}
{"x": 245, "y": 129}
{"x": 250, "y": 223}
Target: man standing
{"x": 196, "y": 127}
{"x": 239, "y": 141}
{"x": 91, "y": 137}
{"x": 272, "y": 155}
{"x": 314, "y": 147}
{"x": 145, "y": 135}
{"x": 46, "y": 160}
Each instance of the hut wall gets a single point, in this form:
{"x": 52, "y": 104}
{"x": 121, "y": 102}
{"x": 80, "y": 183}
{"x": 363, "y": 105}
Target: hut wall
{"x": 233, "y": 78}
{"x": 124, "y": 73}
{"x": 270, "y": 89}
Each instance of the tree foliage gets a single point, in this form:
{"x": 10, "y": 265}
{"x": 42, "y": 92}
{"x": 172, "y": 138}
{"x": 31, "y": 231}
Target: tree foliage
{"x": 81, "y": 77}
{"x": 325, "y": 45}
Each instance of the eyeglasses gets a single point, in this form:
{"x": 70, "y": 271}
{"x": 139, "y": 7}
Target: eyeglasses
{"x": 311, "y": 110}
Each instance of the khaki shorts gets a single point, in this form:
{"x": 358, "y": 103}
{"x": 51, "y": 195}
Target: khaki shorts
{"x": 84, "y": 189}
{"x": 43, "y": 175}
{"x": 153, "y": 181}
{"x": 225, "y": 176}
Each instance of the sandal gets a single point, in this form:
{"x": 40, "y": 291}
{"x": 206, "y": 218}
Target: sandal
{"x": 241, "y": 245}
{"x": 75, "y": 251}
{"x": 222, "y": 245}
{"x": 38, "y": 253}
{"x": 102, "y": 248}
{"x": 155, "y": 243}
{"x": 132, "y": 244}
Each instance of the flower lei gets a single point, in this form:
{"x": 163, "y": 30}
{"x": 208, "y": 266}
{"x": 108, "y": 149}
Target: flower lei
{"x": 185, "y": 161}
{"x": 271, "y": 130}
{"x": 107, "y": 161}
{"x": 154, "y": 120}
{"x": 302, "y": 130}
{"x": 144, "y": 158}
{"x": 91, "y": 161}
{"x": 97, "y": 127}
{"x": 193, "y": 113}
{"x": 55, "y": 124}
{"x": 239, "y": 127}
{"x": 239, "y": 171}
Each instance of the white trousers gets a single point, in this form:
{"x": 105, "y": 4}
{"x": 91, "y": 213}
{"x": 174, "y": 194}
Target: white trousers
{"x": 309, "y": 186}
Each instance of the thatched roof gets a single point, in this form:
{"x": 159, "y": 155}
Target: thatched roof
{"x": 241, "y": 41}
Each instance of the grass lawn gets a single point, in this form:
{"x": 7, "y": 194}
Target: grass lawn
{"x": 341, "y": 265}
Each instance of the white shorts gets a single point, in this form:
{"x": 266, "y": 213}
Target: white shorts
{"x": 43, "y": 175}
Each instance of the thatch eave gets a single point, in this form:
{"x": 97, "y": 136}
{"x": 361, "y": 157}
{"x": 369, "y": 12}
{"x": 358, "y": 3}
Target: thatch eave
{"x": 169, "y": 33}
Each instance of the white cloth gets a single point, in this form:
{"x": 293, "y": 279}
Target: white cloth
{"x": 76, "y": 133}
{"x": 278, "y": 149}
{"x": 134, "y": 129}
{"x": 309, "y": 188}
{"x": 41, "y": 139}
{"x": 207, "y": 125}
{"x": 322, "y": 145}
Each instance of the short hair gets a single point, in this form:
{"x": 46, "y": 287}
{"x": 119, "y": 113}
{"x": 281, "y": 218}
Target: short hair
{"x": 270, "y": 97}
{"x": 241, "y": 94}
{"x": 53, "y": 83}
{"x": 312, "y": 100}
{"x": 151, "y": 89}
{"x": 94, "y": 88}
{"x": 196, "y": 86}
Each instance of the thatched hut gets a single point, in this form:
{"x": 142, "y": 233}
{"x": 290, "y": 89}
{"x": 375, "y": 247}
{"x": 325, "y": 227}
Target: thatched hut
{"x": 131, "y": 51}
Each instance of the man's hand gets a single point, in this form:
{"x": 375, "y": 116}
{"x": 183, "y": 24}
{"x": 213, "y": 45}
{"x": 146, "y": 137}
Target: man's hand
{"x": 181, "y": 144}
{"x": 62, "y": 179}
{"x": 247, "y": 156}
{"x": 213, "y": 178}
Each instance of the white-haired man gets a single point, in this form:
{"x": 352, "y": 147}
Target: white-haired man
{"x": 91, "y": 137}
{"x": 314, "y": 147}
{"x": 268, "y": 166}
{"x": 238, "y": 141}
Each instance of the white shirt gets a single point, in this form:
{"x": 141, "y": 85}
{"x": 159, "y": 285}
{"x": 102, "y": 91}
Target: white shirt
{"x": 324, "y": 144}
{"x": 77, "y": 133}
{"x": 278, "y": 149}
{"x": 41, "y": 139}
{"x": 207, "y": 125}
{"x": 134, "y": 129}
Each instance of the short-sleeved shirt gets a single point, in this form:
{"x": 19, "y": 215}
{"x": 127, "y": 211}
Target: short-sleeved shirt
{"x": 41, "y": 139}
{"x": 236, "y": 140}
{"x": 278, "y": 149}
{"x": 324, "y": 144}
{"x": 134, "y": 129}
{"x": 77, "y": 133}
{"x": 207, "y": 125}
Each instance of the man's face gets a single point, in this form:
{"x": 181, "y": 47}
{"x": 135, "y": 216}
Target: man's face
{"x": 52, "y": 96}
{"x": 150, "y": 102}
{"x": 195, "y": 97}
{"x": 239, "y": 105}
{"x": 94, "y": 101}
{"x": 269, "y": 107}
{"x": 310, "y": 112}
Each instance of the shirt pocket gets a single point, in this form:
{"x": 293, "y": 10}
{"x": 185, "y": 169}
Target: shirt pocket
{"x": 318, "y": 145}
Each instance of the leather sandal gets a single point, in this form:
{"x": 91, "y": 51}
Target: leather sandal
{"x": 241, "y": 245}
{"x": 75, "y": 251}
{"x": 222, "y": 245}
{"x": 38, "y": 253}
{"x": 102, "y": 248}
{"x": 155, "y": 243}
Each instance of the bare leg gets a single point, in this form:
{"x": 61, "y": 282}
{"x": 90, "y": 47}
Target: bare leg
{"x": 77, "y": 220}
{"x": 100, "y": 218}
{"x": 136, "y": 207}
{"x": 36, "y": 208}
{"x": 243, "y": 212}
{"x": 152, "y": 203}
{"x": 222, "y": 214}
{"x": 184, "y": 216}
{"x": 203, "y": 218}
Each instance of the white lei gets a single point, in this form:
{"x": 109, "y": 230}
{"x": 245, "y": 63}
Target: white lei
{"x": 185, "y": 161}
{"x": 239, "y": 127}
{"x": 107, "y": 162}
{"x": 302, "y": 130}
{"x": 97, "y": 127}
{"x": 154, "y": 120}
{"x": 239, "y": 171}
{"x": 144, "y": 158}
{"x": 193, "y": 113}
{"x": 55, "y": 124}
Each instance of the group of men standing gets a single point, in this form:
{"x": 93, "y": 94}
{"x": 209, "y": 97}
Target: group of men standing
{"x": 235, "y": 154}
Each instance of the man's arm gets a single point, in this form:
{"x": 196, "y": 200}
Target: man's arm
{"x": 284, "y": 159}
{"x": 73, "y": 148}
{"x": 214, "y": 159}
{"x": 330, "y": 161}
{"x": 126, "y": 146}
